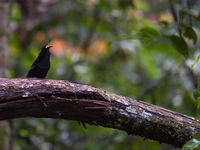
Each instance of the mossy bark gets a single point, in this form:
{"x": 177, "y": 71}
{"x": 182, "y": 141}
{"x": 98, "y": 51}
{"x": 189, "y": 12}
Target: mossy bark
{"x": 62, "y": 99}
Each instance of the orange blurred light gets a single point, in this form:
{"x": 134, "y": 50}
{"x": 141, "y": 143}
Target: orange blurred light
{"x": 136, "y": 13}
{"x": 58, "y": 47}
{"x": 40, "y": 36}
{"x": 152, "y": 17}
{"x": 166, "y": 17}
{"x": 52, "y": 32}
{"x": 97, "y": 47}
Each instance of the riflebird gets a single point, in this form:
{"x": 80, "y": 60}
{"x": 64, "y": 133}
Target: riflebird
{"x": 41, "y": 65}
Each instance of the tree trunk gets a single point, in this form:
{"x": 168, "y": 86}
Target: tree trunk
{"x": 62, "y": 99}
{"x": 5, "y": 126}
{"x": 4, "y": 17}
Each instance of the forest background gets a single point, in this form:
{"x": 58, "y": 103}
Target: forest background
{"x": 143, "y": 49}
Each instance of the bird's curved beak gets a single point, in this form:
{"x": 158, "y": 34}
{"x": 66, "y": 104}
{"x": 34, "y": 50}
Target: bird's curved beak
{"x": 48, "y": 46}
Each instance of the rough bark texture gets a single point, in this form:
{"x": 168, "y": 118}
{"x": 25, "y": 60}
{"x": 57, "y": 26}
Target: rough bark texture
{"x": 72, "y": 101}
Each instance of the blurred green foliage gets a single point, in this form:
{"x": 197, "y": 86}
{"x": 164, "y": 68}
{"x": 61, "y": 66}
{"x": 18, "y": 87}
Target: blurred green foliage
{"x": 132, "y": 48}
{"x": 193, "y": 144}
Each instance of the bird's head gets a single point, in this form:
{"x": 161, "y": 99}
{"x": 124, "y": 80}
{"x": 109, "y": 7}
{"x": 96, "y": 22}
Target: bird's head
{"x": 43, "y": 59}
{"x": 47, "y": 46}
{"x": 46, "y": 49}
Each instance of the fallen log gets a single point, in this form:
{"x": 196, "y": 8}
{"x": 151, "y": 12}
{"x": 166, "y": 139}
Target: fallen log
{"x": 44, "y": 98}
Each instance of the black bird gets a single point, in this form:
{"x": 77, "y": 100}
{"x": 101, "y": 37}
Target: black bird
{"x": 41, "y": 65}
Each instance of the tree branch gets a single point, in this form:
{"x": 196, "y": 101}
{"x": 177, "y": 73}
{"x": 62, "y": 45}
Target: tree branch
{"x": 72, "y": 101}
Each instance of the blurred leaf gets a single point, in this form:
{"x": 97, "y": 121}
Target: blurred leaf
{"x": 163, "y": 23}
{"x": 23, "y": 132}
{"x": 196, "y": 93}
{"x": 142, "y": 5}
{"x": 190, "y": 145}
{"x": 193, "y": 143}
{"x": 148, "y": 32}
{"x": 147, "y": 35}
{"x": 125, "y": 3}
{"x": 179, "y": 44}
{"x": 196, "y": 61}
{"x": 193, "y": 13}
{"x": 189, "y": 33}
{"x": 197, "y": 136}
{"x": 149, "y": 63}
{"x": 103, "y": 4}
{"x": 16, "y": 13}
